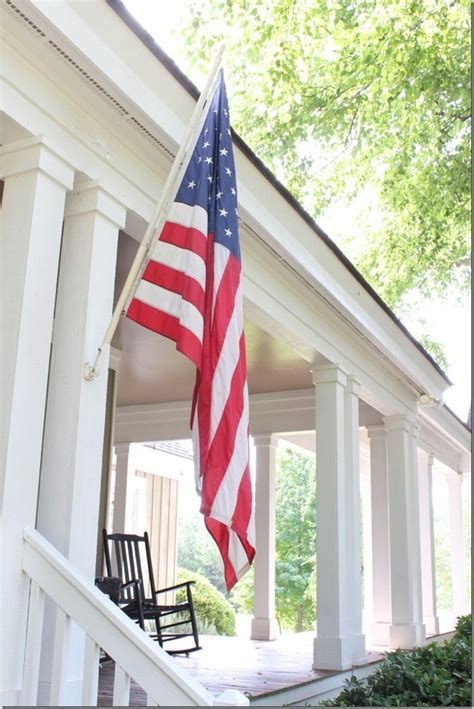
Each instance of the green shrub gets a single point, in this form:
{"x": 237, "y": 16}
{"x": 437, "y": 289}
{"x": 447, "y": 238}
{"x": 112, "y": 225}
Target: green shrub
{"x": 215, "y": 615}
{"x": 433, "y": 675}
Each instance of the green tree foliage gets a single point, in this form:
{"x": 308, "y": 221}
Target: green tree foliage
{"x": 198, "y": 552}
{"x": 214, "y": 614}
{"x": 370, "y": 98}
{"x": 295, "y": 544}
{"x": 430, "y": 676}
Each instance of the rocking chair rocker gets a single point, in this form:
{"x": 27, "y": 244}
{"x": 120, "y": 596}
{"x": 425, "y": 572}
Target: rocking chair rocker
{"x": 172, "y": 621}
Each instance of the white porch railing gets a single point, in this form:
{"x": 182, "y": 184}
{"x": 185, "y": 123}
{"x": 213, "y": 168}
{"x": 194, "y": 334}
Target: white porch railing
{"x": 136, "y": 656}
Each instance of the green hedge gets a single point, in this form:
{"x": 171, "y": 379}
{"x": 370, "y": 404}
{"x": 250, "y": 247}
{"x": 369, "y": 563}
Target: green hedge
{"x": 215, "y": 615}
{"x": 433, "y": 675}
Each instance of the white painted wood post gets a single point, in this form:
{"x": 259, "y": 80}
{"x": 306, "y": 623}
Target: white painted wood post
{"x": 74, "y": 425}
{"x": 367, "y": 547}
{"x": 36, "y": 179}
{"x": 332, "y": 645}
{"x": 428, "y": 573}
{"x": 59, "y": 675}
{"x": 264, "y": 624}
{"x": 124, "y": 474}
{"x": 381, "y": 605}
{"x": 90, "y": 682}
{"x": 29, "y": 690}
{"x": 454, "y": 481}
{"x": 121, "y": 697}
{"x": 407, "y": 629}
{"x": 353, "y": 520}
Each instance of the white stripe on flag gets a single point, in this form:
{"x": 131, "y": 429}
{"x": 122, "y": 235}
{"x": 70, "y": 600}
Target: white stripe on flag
{"x": 173, "y": 304}
{"x": 228, "y": 360}
{"x": 221, "y": 257}
{"x": 227, "y": 495}
{"x": 237, "y": 555}
{"x": 181, "y": 260}
{"x": 188, "y": 216}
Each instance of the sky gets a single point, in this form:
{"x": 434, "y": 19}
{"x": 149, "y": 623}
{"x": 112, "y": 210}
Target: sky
{"x": 448, "y": 321}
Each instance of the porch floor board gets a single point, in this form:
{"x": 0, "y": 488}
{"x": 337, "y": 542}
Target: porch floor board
{"x": 254, "y": 667}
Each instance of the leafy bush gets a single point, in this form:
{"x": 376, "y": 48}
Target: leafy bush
{"x": 215, "y": 615}
{"x": 433, "y": 675}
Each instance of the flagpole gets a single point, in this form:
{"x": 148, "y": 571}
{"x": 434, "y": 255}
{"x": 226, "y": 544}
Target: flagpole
{"x": 160, "y": 214}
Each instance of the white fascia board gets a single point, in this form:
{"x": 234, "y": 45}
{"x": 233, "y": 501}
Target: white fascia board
{"x": 123, "y": 62}
{"x": 111, "y": 50}
{"x": 445, "y": 437}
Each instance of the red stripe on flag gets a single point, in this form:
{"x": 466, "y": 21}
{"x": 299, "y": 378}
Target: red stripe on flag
{"x": 220, "y": 533}
{"x": 243, "y": 508}
{"x": 176, "y": 282}
{"x": 167, "y": 325}
{"x": 224, "y": 307}
{"x": 213, "y": 339}
{"x": 185, "y": 238}
{"x": 221, "y": 448}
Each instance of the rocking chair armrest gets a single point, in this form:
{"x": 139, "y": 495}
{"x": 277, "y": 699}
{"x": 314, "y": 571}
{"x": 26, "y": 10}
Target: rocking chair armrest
{"x": 173, "y": 588}
{"x": 133, "y": 582}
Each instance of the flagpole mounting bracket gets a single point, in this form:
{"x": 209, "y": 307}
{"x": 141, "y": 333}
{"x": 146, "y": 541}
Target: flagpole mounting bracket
{"x": 90, "y": 372}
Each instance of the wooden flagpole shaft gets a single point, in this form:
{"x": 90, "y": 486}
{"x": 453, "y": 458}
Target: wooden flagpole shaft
{"x": 159, "y": 216}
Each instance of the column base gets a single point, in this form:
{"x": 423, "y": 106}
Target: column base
{"x": 264, "y": 629}
{"x": 359, "y": 654}
{"x": 406, "y": 637}
{"x": 332, "y": 653}
{"x": 379, "y": 634}
{"x": 431, "y": 624}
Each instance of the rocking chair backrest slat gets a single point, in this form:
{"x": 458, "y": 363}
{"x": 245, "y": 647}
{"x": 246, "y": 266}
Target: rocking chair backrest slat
{"x": 151, "y": 578}
{"x": 126, "y": 556}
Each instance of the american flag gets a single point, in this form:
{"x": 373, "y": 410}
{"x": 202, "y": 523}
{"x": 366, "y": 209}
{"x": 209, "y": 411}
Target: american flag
{"x": 191, "y": 292}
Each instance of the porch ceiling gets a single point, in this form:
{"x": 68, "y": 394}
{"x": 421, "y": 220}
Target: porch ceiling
{"x": 153, "y": 372}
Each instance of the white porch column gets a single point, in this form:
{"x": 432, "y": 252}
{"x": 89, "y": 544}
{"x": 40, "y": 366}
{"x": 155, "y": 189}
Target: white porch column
{"x": 428, "y": 577}
{"x": 124, "y": 473}
{"x": 381, "y": 605}
{"x": 264, "y": 624}
{"x": 454, "y": 481}
{"x": 36, "y": 180}
{"x": 74, "y": 428}
{"x": 407, "y": 628}
{"x": 353, "y": 520}
{"x": 332, "y": 645}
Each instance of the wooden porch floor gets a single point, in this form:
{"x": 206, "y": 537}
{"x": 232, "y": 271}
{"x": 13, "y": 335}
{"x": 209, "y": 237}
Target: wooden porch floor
{"x": 251, "y": 666}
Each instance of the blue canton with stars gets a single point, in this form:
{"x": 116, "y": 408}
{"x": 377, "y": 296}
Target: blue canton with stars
{"x": 209, "y": 180}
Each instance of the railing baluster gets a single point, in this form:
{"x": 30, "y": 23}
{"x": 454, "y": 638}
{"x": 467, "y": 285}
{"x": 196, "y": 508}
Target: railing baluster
{"x": 62, "y": 637}
{"x": 29, "y": 690}
{"x": 90, "y": 683}
{"x": 121, "y": 688}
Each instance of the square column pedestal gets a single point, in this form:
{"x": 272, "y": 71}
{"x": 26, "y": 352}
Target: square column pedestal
{"x": 264, "y": 624}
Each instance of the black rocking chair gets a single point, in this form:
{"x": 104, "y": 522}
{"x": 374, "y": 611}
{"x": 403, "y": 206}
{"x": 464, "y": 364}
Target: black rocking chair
{"x": 139, "y": 598}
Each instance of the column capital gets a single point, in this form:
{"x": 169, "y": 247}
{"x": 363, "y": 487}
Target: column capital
{"x": 91, "y": 197}
{"x": 122, "y": 448}
{"x": 115, "y": 358}
{"x": 376, "y": 431}
{"x": 353, "y": 385}
{"x": 328, "y": 373}
{"x": 398, "y": 422}
{"x": 265, "y": 439}
{"x": 34, "y": 154}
